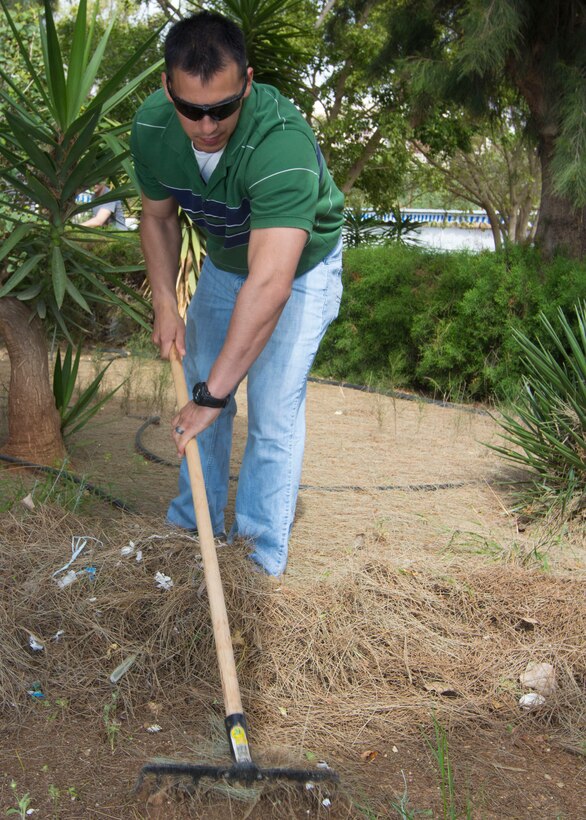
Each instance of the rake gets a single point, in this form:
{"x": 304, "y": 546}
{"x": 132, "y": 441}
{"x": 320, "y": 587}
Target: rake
{"x": 242, "y": 768}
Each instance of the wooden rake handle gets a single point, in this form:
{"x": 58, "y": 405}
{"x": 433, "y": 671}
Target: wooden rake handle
{"x": 219, "y": 616}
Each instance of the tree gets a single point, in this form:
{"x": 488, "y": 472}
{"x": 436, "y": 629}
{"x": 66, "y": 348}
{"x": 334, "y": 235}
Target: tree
{"x": 359, "y": 118}
{"x": 499, "y": 173}
{"x": 464, "y": 52}
{"x": 51, "y": 150}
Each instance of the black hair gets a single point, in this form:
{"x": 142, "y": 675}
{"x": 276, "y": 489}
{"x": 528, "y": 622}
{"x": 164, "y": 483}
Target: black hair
{"x": 204, "y": 44}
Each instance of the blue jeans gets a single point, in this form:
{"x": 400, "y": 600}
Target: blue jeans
{"x": 270, "y": 473}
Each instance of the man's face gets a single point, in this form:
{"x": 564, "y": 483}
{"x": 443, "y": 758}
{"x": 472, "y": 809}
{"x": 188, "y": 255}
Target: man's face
{"x": 207, "y": 134}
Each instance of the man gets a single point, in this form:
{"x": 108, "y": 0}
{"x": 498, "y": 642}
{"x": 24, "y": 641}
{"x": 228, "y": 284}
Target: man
{"x": 106, "y": 213}
{"x": 242, "y": 162}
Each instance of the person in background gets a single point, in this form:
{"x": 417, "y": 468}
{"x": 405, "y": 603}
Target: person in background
{"x": 240, "y": 159}
{"x": 106, "y": 214}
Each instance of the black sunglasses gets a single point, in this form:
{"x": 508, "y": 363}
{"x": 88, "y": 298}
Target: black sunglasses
{"x": 218, "y": 111}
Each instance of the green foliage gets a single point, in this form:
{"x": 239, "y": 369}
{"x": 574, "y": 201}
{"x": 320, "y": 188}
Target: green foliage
{"x": 57, "y": 140}
{"x": 470, "y": 53}
{"x": 362, "y": 228}
{"x": 278, "y": 34}
{"x": 75, "y": 416}
{"x": 125, "y": 38}
{"x": 448, "y": 317}
{"x": 546, "y": 427}
{"x": 22, "y": 803}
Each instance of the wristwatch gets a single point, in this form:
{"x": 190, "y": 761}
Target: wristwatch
{"x": 203, "y": 397}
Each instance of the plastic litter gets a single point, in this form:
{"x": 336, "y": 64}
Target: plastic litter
{"x": 163, "y": 581}
{"x": 127, "y": 551}
{"x": 71, "y": 576}
{"x": 67, "y": 579}
{"x": 123, "y": 668}
{"x": 154, "y": 729}
{"x": 28, "y": 502}
{"x": 540, "y": 677}
{"x": 326, "y": 802}
{"x": 35, "y": 644}
{"x": 78, "y": 544}
{"x": 36, "y": 690}
{"x": 531, "y": 701}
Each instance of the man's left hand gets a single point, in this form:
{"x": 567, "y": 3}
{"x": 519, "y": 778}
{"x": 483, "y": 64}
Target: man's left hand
{"x": 192, "y": 420}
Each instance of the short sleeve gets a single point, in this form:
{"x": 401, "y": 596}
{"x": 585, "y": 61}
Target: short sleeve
{"x": 149, "y": 184}
{"x": 282, "y": 181}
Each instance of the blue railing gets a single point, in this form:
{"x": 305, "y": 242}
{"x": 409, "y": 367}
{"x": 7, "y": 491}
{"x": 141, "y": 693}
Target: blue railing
{"x": 438, "y": 216}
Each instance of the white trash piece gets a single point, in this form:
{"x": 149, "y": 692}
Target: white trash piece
{"x": 35, "y": 644}
{"x": 67, "y": 579}
{"x": 531, "y": 701}
{"x": 540, "y": 677}
{"x": 163, "y": 581}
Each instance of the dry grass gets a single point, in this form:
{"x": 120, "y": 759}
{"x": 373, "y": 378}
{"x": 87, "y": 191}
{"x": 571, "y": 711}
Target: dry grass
{"x": 323, "y": 666}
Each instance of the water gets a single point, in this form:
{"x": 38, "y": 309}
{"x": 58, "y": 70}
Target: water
{"x": 455, "y": 239}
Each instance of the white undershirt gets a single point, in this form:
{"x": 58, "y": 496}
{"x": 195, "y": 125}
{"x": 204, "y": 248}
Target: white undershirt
{"x": 207, "y": 161}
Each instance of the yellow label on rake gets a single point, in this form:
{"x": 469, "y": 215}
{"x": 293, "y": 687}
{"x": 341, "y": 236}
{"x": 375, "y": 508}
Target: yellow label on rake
{"x": 240, "y": 744}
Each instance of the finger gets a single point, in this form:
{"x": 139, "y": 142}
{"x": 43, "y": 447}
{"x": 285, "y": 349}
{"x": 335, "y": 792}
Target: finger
{"x": 180, "y": 340}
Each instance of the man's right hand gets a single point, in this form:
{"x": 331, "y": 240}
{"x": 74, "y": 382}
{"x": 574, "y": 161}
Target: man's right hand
{"x": 169, "y": 328}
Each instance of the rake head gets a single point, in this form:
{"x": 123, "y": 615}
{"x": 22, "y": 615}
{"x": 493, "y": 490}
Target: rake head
{"x": 242, "y": 773}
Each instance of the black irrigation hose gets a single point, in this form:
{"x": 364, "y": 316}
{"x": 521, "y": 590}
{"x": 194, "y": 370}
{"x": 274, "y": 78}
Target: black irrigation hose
{"x": 85, "y": 485}
{"x": 340, "y": 488}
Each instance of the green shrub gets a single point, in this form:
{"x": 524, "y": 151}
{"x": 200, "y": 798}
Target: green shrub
{"x": 450, "y": 318}
{"x": 546, "y": 428}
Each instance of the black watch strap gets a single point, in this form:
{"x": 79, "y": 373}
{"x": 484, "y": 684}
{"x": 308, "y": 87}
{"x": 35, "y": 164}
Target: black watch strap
{"x": 203, "y": 397}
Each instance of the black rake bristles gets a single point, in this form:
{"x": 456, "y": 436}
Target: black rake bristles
{"x": 245, "y": 773}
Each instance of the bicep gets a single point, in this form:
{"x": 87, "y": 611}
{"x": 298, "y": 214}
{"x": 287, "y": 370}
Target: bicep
{"x": 275, "y": 252}
{"x": 159, "y": 208}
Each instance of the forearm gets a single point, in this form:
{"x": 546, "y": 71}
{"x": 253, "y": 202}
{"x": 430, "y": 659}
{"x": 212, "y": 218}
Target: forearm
{"x": 161, "y": 245}
{"x": 256, "y": 313}
{"x": 272, "y": 260}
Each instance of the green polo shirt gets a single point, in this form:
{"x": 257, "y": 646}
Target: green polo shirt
{"x": 271, "y": 175}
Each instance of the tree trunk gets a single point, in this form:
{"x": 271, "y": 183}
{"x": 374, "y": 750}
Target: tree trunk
{"x": 561, "y": 226}
{"x": 34, "y": 432}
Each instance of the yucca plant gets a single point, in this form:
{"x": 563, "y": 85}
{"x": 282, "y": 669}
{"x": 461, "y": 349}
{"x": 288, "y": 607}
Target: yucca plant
{"x": 76, "y": 412}
{"x": 49, "y": 152}
{"x": 546, "y": 428}
{"x": 278, "y": 35}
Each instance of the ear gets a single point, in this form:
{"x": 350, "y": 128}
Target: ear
{"x": 164, "y": 84}
{"x": 249, "y": 76}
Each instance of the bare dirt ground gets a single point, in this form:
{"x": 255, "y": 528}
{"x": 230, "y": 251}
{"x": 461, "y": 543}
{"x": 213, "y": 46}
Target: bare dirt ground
{"x": 421, "y": 593}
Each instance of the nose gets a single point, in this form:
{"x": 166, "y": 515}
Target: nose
{"x": 208, "y": 125}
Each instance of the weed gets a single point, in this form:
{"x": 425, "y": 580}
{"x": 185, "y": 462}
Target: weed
{"x": 22, "y": 803}
{"x": 111, "y": 724}
{"x": 402, "y": 806}
{"x": 56, "y": 709}
{"x": 441, "y": 753}
{"x": 54, "y": 796}
{"x": 161, "y": 388}
{"x": 58, "y": 489}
